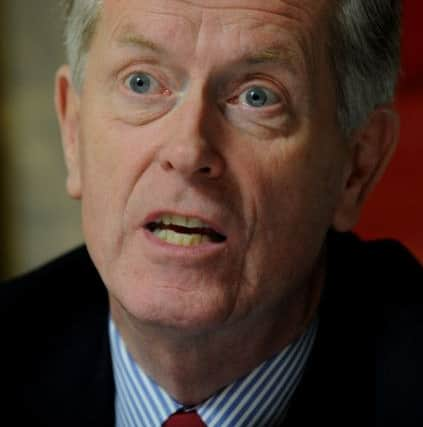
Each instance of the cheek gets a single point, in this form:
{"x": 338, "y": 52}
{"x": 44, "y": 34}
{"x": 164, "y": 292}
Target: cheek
{"x": 113, "y": 158}
{"x": 292, "y": 196}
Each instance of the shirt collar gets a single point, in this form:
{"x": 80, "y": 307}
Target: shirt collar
{"x": 260, "y": 398}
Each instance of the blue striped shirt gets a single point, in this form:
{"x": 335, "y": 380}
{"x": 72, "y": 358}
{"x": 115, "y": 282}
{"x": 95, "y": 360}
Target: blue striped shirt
{"x": 259, "y": 399}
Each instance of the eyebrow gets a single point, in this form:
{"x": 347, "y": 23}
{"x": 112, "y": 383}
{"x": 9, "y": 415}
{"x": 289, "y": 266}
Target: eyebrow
{"x": 274, "y": 54}
{"x": 281, "y": 55}
{"x": 137, "y": 40}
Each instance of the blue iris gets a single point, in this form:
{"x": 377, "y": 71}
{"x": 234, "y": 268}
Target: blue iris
{"x": 140, "y": 83}
{"x": 256, "y": 97}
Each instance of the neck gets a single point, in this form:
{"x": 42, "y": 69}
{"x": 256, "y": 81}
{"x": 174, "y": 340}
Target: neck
{"x": 193, "y": 367}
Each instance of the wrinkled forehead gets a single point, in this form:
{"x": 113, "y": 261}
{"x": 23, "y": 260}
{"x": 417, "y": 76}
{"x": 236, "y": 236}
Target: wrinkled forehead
{"x": 308, "y": 12}
{"x": 269, "y": 5}
{"x": 173, "y": 20}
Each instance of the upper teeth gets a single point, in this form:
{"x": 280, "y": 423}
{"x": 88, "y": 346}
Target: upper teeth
{"x": 182, "y": 221}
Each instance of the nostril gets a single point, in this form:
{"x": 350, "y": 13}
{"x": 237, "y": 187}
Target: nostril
{"x": 204, "y": 164}
{"x": 166, "y": 165}
{"x": 205, "y": 169}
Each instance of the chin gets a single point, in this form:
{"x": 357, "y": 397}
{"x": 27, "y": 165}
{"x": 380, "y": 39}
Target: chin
{"x": 170, "y": 308}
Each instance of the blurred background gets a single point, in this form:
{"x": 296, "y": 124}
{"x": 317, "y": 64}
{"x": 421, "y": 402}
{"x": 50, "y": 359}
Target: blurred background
{"x": 38, "y": 220}
{"x": 395, "y": 209}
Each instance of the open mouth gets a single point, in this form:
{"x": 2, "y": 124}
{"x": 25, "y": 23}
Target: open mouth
{"x": 184, "y": 231}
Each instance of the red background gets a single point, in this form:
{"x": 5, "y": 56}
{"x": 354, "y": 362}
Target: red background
{"x": 395, "y": 209}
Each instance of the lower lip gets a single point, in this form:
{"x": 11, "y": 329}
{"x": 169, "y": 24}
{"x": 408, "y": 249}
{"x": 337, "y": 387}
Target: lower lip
{"x": 196, "y": 251}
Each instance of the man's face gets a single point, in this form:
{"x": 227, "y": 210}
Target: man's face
{"x": 209, "y": 162}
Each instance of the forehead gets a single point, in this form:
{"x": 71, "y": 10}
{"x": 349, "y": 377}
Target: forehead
{"x": 292, "y": 29}
{"x": 267, "y": 5}
{"x": 294, "y": 7}
{"x": 165, "y": 15}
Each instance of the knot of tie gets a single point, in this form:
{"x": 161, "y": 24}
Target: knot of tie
{"x": 184, "y": 419}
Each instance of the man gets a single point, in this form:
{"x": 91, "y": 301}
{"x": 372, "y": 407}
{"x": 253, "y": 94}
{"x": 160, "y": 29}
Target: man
{"x": 221, "y": 150}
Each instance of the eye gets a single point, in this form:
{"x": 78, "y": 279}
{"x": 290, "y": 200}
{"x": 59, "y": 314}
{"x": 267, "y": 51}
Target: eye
{"x": 141, "y": 83}
{"x": 257, "y": 96}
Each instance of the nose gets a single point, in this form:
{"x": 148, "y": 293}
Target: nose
{"x": 192, "y": 144}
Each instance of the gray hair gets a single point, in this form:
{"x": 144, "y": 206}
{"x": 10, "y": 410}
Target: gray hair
{"x": 365, "y": 55}
{"x": 81, "y": 20}
{"x": 364, "y": 49}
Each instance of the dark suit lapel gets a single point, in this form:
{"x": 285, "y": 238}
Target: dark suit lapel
{"x": 337, "y": 388}
{"x": 70, "y": 380}
{"x": 97, "y": 394}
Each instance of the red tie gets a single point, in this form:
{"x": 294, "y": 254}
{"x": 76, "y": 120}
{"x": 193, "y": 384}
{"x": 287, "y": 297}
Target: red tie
{"x": 184, "y": 419}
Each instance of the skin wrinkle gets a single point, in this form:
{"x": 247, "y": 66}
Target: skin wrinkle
{"x": 266, "y": 194}
{"x": 130, "y": 30}
{"x": 136, "y": 179}
{"x": 291, "y": 4}
{"x": 275, "y": 53}
{"x": 131, "y": 27}
{"x": 223, "y": 5}
{"x": 129, "y": 35}
{"x": 306, "y": 46}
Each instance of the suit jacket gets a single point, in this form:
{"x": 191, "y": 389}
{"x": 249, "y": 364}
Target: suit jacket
{"x": 365, "y": 368}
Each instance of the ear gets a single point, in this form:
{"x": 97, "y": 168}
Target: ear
{"x": 371, "y": 149}
{"x": 67, "y": 110}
